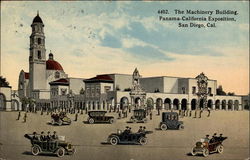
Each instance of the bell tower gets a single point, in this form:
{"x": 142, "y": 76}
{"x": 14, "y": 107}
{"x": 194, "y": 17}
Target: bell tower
{"x": 37, "y": 57}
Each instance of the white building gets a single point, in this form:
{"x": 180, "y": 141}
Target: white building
{"x": 50, "y": 86}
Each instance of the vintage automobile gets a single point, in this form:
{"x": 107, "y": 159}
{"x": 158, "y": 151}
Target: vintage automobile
{"x": 139, "y": 116}
{"x": 170, "y": 120}
{"x": 99, "y": 117}
{"x": 205, "y": 147}
{"x": 60, "y": 119}
{"x": 59, "y": 146}
{"x": 128, "y": 137}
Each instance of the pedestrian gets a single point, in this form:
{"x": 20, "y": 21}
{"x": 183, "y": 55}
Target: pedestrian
{"x": 190, "y": 113}
{"x": 42, "y": 112}
{"x": 208, "y": 110}
{"x": 179, "y": 112}
{"x": 25, "y": 117}
{"x": 18, "y": 116}
{"x": 76, "y": 116}
{"x": 200, "y": 113}
{"x": 151, "y": 115}
{"x": 119, "y": 115}
{"x": 187, "y": 111}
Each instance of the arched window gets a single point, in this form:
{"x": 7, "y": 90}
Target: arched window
{"x": 39, "y": 40}
{"x": 39, "y": 56}
{"x": 57, "y": 75}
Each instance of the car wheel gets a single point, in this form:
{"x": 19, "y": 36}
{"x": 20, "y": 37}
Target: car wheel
{"x": 164, "y": 127}
{"x": 111, "y": 121}
{"x": 193, "y": 152}
{"x": 35, "y": 150}
{"x": 181, "y": 126}
{"x": 113, "y": 140}
{"x": 220, "y": 149}
{"x": 91, "y": 121}
{"x": 60, "y": 152}
{"x": 205, "y": 152}
{"x": 143, "y": 140}
{"x": 60, "y": 122}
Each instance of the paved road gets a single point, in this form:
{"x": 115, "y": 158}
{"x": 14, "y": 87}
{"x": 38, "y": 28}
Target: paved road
{"x": 90, "y": 139}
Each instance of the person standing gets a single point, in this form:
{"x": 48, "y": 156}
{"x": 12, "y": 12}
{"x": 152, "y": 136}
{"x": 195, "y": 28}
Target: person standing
{"x": 208, "y": 110}
{"x": 18, "y": 116}
{"x": 76, "y": 116}
{"x": 25, "y": 117}
{"x": 151, "y": 115}
{"x": 200, "y": 113}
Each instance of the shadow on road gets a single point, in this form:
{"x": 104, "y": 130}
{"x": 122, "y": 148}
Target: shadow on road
{"x": 41, "y": 154}
{"x": 107, "y": 143}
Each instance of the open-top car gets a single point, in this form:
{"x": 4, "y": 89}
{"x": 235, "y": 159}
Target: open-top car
{"x": 205, "y": 146}
{"x": 127, "y": 137}
{"x": 139, "y": 116}
{"x": 59, "y": 146}
{"x": 170, "y": 120}
{"x": 99, "y": 117}
{"x": 60, "y": 119}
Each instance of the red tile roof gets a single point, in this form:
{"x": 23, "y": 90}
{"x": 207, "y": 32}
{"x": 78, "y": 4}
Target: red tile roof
{"x": 100, "y": 78}
{"x": 61, "y": 81}
{"x": 53, "y": 65}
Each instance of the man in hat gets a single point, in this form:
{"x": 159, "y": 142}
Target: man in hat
{"x": 34, "y": 136}
{"x": 206, "y": 139}
{"x": 19, "y": 115}
{"x": 54, "y": 136}
{"x": 42, "y": 137}
{"x": 48, "y": 137}
{"x": 214, "y": 138}
{"x": 140, "y": 129}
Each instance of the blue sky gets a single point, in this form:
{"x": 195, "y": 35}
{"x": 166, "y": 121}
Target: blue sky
{"x": 126, "y": 35}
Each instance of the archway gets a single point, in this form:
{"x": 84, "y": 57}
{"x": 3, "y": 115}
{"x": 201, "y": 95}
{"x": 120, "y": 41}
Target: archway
{"x": 15, "y": 105}
{"x": 150, "y": 103}
{"x": 210, "y": 104}
{"x": 193, "y": 104}
{"x": 236, "y": 105}
{"x": 158, "y": 103}
{"x": 217, "y": 104}
{"x": 230, "y": 105}
{"x": 167, "y": 104}
{"x": 176, "y": 104}
{"x": 223, "y": 104}
{"x": 184, "y": 104}
{"x": 2, "y": 101}
{"x": 124, "y": 103}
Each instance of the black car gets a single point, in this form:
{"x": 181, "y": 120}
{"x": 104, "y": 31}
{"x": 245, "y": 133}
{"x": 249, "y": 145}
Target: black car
{"x": 170, "y": 120}
{"x": 139, "y": 116}
{"x": 99, "y": 117}
{"x": 126, "y": 137}
{"x": 59, "y": 147}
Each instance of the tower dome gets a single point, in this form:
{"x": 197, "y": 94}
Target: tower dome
{"x": 37, "y": 19}
{"x": 51, "y": 64}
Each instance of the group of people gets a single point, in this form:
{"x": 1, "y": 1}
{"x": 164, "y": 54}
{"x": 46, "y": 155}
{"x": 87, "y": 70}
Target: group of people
{"x": 214, "y": 138}
{"x": 142, "y": 129}
{"x": 188, "y": 113}
{"x": 43, "y": 137}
